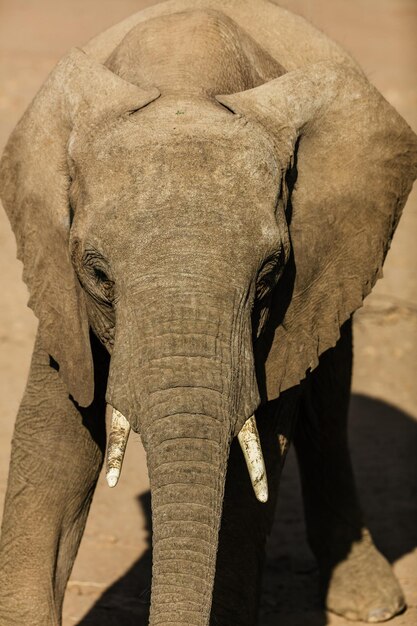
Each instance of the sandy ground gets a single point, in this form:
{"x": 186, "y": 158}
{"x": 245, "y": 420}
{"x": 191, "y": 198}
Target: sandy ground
{"x": 112, "y": 569}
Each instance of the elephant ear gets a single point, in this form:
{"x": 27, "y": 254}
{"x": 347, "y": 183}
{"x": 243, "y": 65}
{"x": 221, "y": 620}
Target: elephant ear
{"x": 34, "y": 182}
{"x": 352, "y": 160}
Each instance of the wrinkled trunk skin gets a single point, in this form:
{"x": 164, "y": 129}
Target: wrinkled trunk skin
{"x": 187, "y": 476}
{"x": 186, "y": 397}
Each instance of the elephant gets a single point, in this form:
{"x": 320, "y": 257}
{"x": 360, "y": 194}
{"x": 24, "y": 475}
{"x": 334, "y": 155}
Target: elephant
{"x": 201, "y": 196}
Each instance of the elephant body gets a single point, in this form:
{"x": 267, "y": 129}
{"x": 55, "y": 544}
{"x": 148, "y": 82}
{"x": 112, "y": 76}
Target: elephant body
{"x": 202, "y": 196}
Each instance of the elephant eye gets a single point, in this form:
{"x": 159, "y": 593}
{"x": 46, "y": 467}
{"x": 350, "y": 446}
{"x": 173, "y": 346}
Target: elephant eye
{"x": 263, "y": 288}
{"x": 103, "y": 285}
{"x": 100, "y": 275}
{"x": 269, "y": 274}
{"x": 95, "y": 278}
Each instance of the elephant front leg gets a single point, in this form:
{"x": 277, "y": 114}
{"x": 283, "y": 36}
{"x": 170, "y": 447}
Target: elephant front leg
{"x": 241, "y": 548}
{"x": 57, "y": 453}
{"x": 357, "y": 581}
{"x": 246, "y": 522}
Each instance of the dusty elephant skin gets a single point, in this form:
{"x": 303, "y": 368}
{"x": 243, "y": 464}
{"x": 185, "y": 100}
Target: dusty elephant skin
{"x": 201, "y": 197}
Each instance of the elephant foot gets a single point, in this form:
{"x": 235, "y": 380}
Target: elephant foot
{"x": 363, "y": 587}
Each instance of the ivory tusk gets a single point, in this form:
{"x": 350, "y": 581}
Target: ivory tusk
{"x": 119, "y": 434}
{"x": 252, "y": 451}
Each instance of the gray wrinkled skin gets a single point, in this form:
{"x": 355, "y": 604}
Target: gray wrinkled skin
{"x": 201, "y": 196}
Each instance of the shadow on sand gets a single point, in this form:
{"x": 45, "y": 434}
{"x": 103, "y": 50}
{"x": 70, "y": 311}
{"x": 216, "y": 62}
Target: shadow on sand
{"x": 384, "y": 449}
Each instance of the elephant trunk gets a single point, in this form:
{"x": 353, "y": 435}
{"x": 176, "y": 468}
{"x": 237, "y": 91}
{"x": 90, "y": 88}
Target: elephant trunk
{"x": 187, "y": 462}
{"x": 184, "y": 393}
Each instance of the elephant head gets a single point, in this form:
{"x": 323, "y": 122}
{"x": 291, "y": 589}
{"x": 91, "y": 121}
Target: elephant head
{"x": 215, "y": 245}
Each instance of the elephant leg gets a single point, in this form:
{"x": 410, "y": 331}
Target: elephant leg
{"x": 246, "y": 522}
{"x": 57, "y": 453}
{"x": 357, "y": 581}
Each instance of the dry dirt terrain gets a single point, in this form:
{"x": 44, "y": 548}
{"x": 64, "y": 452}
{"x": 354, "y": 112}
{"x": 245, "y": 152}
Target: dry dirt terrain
{"x": 112, "y": 569}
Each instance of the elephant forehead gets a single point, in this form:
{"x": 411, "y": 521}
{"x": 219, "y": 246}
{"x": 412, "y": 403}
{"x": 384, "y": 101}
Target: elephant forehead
{"x": 149, "y": 184}
{"x": 157, "y": 165}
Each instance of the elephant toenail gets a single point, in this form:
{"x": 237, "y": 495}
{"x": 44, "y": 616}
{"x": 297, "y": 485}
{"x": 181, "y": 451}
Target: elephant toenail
{"x": 379, "y": 615}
